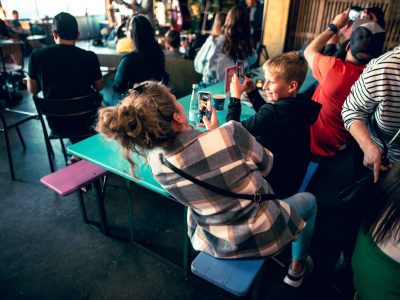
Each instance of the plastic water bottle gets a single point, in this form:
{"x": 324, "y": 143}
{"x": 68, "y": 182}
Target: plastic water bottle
{"x": 194, "y": 106}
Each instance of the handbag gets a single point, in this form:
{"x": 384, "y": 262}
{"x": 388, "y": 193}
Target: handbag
{"x": 257, "y": 198}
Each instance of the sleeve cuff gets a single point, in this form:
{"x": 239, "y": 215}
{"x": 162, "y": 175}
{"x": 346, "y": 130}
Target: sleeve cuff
{"x": 253, "y": 94}
{"x": 234, "y": 100}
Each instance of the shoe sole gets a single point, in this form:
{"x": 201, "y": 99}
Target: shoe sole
{"x": 297, "y": 283}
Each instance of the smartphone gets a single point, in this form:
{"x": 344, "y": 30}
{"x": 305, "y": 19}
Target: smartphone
{"x": 240, "y": 71}
{"x": 354, "y": 15}
{"x": 204, "y": 105}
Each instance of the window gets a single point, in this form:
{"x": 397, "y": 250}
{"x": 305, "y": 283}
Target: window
{"x": 34, "y": 9}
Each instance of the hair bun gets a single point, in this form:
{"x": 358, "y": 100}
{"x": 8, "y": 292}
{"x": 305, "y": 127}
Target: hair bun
{"x": 115, "y": 121}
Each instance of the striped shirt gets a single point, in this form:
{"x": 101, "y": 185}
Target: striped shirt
{"x": 230, "y": 158}
{"x": 378, "y": 91}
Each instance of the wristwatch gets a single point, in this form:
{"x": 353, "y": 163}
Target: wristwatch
{"x": 332, "y": 27}
{"x": 234, "y": 100}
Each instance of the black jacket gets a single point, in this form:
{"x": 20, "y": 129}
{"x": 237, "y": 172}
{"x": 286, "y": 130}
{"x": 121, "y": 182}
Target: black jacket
{"x": 284, "y": 129}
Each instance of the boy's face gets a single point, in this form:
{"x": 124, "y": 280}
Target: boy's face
{"x": 276, "y": 87}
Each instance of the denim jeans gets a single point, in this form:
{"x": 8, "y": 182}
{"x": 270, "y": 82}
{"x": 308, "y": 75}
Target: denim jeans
{"x": 306, "y": 206}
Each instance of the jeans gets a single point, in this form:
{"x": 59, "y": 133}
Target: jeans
{"x": 306, "y": 206}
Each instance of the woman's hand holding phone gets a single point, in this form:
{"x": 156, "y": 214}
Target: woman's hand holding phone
{"x": 210, "y": 124}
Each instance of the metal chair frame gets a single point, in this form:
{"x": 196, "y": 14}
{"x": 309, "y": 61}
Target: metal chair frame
{"x": 22, "y": 117}
{"x": 65, "y": 110}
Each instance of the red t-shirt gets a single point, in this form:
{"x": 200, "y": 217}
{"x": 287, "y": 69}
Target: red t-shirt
{"x": 335, "y": 79}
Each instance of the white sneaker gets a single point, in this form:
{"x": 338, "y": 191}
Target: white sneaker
{"x": 295, "y": 280}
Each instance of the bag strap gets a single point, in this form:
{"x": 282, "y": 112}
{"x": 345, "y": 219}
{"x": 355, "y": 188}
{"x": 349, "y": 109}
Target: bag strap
{"x": 257, "y": 198}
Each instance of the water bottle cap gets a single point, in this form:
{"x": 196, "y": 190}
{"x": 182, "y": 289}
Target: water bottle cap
{"x": 195, "y": 86}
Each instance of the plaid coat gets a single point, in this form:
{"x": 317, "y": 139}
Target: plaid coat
{"x": 230, "y": 158}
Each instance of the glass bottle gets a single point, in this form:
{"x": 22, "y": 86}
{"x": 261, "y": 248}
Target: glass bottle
{"x": 194, "y": 106}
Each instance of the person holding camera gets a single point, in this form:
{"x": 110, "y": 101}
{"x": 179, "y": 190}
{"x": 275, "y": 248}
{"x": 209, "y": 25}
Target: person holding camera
{"x": 283, "y": 124}
{"x": 335, "y": 78}
{"x": 336, "y": 46}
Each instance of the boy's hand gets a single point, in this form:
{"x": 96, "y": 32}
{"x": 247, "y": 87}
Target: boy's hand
{"x": 341, "y": 19}
{"x": 210, "y": 124}
{"x": 249, "y": 84}
{"x": 236, "y": 87}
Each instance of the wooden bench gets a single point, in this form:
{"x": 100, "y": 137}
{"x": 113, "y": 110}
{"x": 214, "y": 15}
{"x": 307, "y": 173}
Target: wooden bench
{"x": 236, "y": 276}
{"x": 76, "y": 176}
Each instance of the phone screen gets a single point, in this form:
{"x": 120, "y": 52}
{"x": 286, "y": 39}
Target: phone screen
{"x": 240, "y": 71}
{"x": 204, "y": 105}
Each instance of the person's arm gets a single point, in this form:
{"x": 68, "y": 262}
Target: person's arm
{"x": 252, "y": 92}
{"x": 256, "y": 99}
{"x": 372, "y": 152}
{"x": 262, "y": 121}
{"x": 211, "y": 124}
{"x": 317, "y": 45}
{"x": 98, "y": 81}
{"x": 330, "y": 47}
{"x": 201, "y": 60}
{"x": 32, "y": 83}
{"x": 120, "y": 84}
{"x": 234, "y": 110}
{"x": 234, "y": 106}
{"x": 99, "y": 84}
{"x": 33, "y": 86}
{"x": 357, "y": 108}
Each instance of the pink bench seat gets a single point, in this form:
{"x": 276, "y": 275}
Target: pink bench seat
{"x": 72, "y": 178}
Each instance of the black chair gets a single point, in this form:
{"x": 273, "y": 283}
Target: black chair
{"x": 11, "y": 67}
{"x": 12, "y": 119}
{"x": 71, "y": 118}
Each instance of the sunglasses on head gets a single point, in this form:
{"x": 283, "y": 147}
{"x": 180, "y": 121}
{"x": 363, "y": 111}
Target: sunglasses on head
{"x": 139, "y": 88}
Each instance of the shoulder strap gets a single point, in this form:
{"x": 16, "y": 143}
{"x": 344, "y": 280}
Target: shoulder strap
{"x": 255, "y": 198}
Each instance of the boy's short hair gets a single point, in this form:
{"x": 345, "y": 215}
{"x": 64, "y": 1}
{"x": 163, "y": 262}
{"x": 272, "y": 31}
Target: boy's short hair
{"x": 290, "y": 66}
{"x": 66, "y": 26}
{"x": 173, "y": 38}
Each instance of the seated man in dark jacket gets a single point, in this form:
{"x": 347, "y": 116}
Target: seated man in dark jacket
{"x": 63, "y": 70}
{"x": 283, "y": 125}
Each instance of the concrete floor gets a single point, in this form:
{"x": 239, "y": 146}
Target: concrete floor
{"x": 47, "y": 252}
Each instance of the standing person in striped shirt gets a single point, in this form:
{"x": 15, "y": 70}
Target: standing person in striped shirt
{"x": 377, "y": 91}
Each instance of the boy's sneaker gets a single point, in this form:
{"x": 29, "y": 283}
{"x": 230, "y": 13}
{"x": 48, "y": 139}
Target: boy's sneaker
{"x": 295, "y": 280}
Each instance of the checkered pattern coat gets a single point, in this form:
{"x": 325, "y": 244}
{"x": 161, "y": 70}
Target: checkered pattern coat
{"x": 230, "y": 158}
